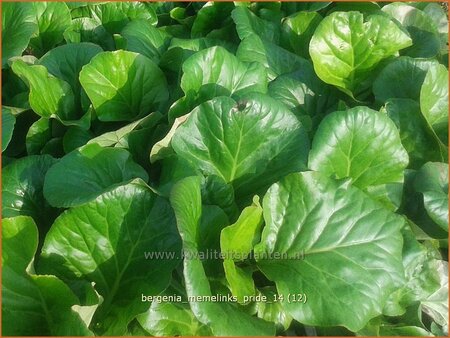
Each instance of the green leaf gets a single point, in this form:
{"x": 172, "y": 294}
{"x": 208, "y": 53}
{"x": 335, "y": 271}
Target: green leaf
{"x": 129, "y": 220}
{"x": 426, "y": 283}
{"x": 141, "y": 37}
{"x": 8, "y": 122}
{"x": 439, "y": 19}
{"x": 251, "y": 143}
{"x": 42, "y": 304}
{"x": 88, "y": 30}
{"x": 298, "y": 29}
{"x": 114, "y": 137}
{"x": 432, "y": 182}
{"x": 236, "y": 243}
{"x": 41, "y": 84}
{"x": 171, "y": 319}
{"x": 65, "y": 62}
{"x": 22, "y": 184}
{"x": 186, "y": 202}
{"x": 384, "y": 326}
{"x": 229, "y": 74}
{"x": 402, "y": 79}
{"x": 54, "y": 147}
{"x": 237, "y": 240}
{"x": 248, "y": 24}
{"x": 162, "y": 148}
{"x": 434, "y": 100}
{"x": 345, "y": 48}
{"x": 134, "y": 91}
{"x": 53, "y": 18}
{"x": 415, "y": 257}
{"x": 215, "y": 191}
{"x": 18, "y": 25}
{"x": 273, "y": 311}
{"x": 114, "y": 16}
{"x": 305, "y": 95}
{"x": 75, "y": 137}
{"x": 420, "y": 144}
{"x": 365, "y": 7}
{"x": 240, "y": 280}
{"x": 421, "y": 28}
{"x": 212, "y": 16}
{"x": 277, "y": 60}
{"x": 292, "y": 7}
{"x": 181, "y": 49}
{"x": 88, "y": 172}
{"x": 49, "y": 96}
{"x": 212, "y": 222}
{"x": 38, "y": 136}
{"x": 332, "y": 240}
{"x": 413, "y": 205}
{"x": 436, "y": 304}
{"x": 361, "y": 144}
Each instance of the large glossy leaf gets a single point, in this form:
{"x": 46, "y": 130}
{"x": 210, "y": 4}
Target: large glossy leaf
{"x": 42, "y": 304}
{"x": 104, "y": 241}
{"x": 172, "y": 319}
{"x": 115, "y": 15}
{"x": 422, "y": 29}
{"x": 345, "y": 48}
{"x": 251, "y": 143}
{"x": 361, "y": 144}
{"x": 65, "y": 62}
{"x": 8, "y": 122}
{"x": 18, "y": 25}
{"x": 418, "y": 141}
{"x": 89, "y": 30}
{"x": 298, "y": 29}
{"x": 237, "y": 240}
{"x": 41, "y": 83}
{"x": 87, "y": 172}
{"x": 247, "y": 23}
{"x": 53, "y": 18}
{"x": 136, "y": 87}
{"x": 332, "y": 240}
{"x": 141, "y": 37}
{"x": 181, "y": 49}
{"x": 22, "y": 185}
{"x": 277, "y": 60}
{"x": 213, "y": 16}
{"x": 402, "y": 79}
{"x": 307, "y": 96}
{"x": 434, "y": 100}
{"x": 228, "y": 74}
{"x": 439, "y": 18}
{"x": 292, "y": 93}
{"x": 432, "y": 182}
{"x": 186, "y": 202}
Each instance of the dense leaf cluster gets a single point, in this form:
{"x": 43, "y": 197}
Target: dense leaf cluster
{"x": 306, "y": 142}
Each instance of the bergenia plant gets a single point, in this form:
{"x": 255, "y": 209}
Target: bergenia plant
{"x": 224, "y": 168}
